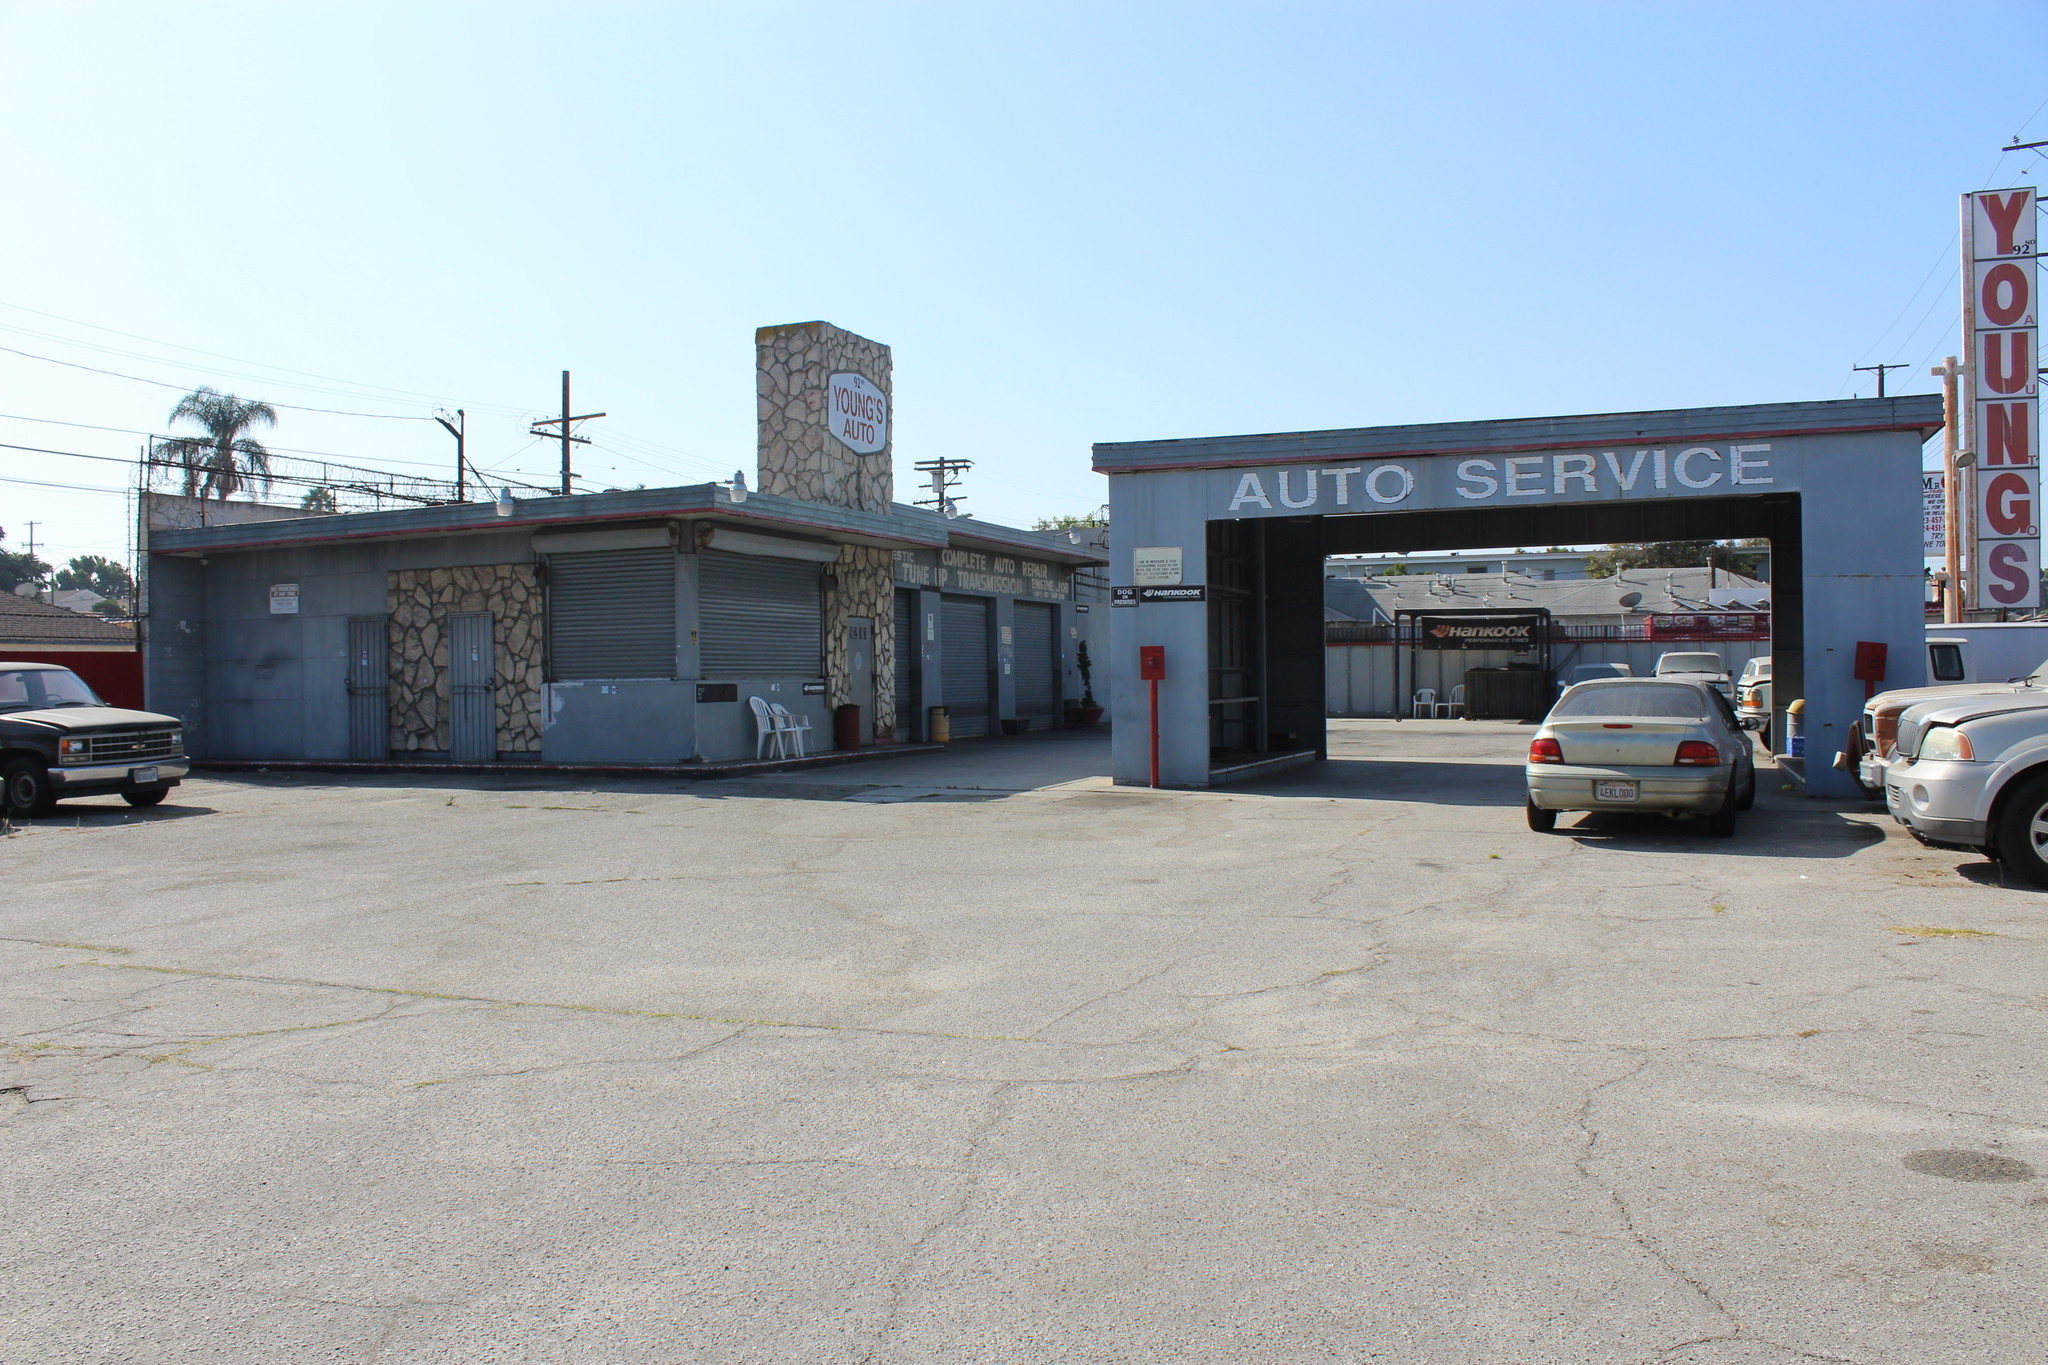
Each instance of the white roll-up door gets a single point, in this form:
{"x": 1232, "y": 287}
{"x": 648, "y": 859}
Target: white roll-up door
{"x": 759, "y": 616}
{"x": 1036, "y": 665}
{"x": 612, "y": 614}
{"x": 963, "y": 650}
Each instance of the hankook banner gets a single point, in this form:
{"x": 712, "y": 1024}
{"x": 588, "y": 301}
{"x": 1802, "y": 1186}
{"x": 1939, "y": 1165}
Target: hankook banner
{"x": 1455, "y": 632}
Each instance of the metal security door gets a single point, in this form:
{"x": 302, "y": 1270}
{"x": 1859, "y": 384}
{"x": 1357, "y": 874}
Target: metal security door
{"x": 472, "y": 727}
{"x": 963, "y": 649}
{"x": 909, "y": 647}
{"x": 369, "y": 707}
{"x": 1037, "y": 666}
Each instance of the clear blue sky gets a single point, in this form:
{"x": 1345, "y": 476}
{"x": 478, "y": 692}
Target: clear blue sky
{"x": 1073, "y": 223}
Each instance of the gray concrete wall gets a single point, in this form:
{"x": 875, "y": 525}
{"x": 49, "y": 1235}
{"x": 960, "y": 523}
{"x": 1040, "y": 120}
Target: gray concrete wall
{"x": 174, "y": 646}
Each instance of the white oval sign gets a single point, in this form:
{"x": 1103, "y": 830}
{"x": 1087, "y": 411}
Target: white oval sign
{"x": 857, "y": 413}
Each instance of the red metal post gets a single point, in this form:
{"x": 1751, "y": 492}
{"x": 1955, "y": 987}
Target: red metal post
{"x": 1155, "y": 732}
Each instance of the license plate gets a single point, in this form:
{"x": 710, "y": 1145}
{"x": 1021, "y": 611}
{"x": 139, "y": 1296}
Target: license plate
{"x": 1614, "y": 791}
{"x": 144, "y": 775}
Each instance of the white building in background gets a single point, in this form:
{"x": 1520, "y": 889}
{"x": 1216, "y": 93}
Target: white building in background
{"x": 1544, "y": 565}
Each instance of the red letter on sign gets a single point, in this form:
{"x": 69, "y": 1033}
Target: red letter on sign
{"x": 2004, "y": 296}
{"x": 2005, "y": 434}
{"x": 2007, "y": 372}
{"x": 2008, "y": 566}
{"x": 2005, "y": 216}
{"x": 2008, "y": 505}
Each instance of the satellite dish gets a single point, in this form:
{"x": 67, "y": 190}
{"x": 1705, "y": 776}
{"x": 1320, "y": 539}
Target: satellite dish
{"x": 1630, "y": 599}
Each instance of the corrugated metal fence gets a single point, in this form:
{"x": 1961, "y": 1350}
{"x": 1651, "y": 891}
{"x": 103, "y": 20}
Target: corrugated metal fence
{"x": 1359, "y": 662}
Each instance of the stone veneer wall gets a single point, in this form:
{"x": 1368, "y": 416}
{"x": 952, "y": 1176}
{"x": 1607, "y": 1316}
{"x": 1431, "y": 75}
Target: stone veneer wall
{"x": 866, "y": 588}
{"x": 797, "y": 458}
{"x": 419, "y": 602}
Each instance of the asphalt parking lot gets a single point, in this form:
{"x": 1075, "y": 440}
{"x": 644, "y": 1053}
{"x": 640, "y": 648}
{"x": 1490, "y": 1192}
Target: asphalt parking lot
{"x": 975, "y": 1057}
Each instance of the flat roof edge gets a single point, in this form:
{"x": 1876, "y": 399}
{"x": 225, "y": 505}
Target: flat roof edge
{"x": 1911, "y": 412}
{"x": 477, "y": 519}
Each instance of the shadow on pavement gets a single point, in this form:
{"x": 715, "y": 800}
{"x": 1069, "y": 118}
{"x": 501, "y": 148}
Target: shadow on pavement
{"x": 114, "y": 811}
{"x": 1994, "y": 875}
{"x": 968, "y": 770}
{"x": 1790, "y": 829}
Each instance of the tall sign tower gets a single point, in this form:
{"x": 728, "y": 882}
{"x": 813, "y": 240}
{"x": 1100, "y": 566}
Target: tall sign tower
{"x": 2003, "y": 435}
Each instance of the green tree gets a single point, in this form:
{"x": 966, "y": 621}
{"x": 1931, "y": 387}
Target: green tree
{"x": 1093, "y": 521}
{"x": 319, "y": 500}
{"x": 1394, "y": 571}
{"x": 96, "y": 573}
{"x": 1743, "y": 557}
{"x": 18, "y": 567}
{"x": 225, "y": 460}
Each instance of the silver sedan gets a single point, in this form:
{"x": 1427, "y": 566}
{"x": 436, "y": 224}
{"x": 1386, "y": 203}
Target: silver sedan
{"x": 1641, "y": 744}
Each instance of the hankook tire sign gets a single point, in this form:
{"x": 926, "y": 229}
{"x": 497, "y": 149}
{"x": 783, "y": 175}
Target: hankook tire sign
{"x": 1437, "y": 632}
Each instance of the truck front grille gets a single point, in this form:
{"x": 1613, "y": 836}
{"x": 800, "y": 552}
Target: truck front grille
{"x": 133, "y": 746}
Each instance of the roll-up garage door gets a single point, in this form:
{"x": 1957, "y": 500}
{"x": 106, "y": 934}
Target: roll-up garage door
{"x": 908, "y": 641}
{"x": 1037, "y": 675}
{"x": 612, "y": 614}
{"x": 963, "y": 647}
{"x": 759, "y": 616}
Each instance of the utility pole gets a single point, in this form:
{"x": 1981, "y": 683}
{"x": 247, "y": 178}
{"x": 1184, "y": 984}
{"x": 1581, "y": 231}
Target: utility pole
{"x": 538, "y": 429}
{"x": 455, "y": 429}
{"x": 944, "y": 474}
{"x": 1880, "y": 373}
{"x": 1951, "y": 478}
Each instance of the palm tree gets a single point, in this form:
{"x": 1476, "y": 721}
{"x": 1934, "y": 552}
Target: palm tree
{"x": 225, "y": 460}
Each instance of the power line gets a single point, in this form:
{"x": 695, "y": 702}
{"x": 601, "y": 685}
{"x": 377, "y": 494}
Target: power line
{"x": 293, "y": 407}
{"x": 275, "y": 449}
{"x": 73, "y": 487}
{"x": 215, "y": 355}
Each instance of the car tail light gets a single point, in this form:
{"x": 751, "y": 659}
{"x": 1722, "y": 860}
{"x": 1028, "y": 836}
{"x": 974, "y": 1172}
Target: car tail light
{"x": 1697, "y": 753}
{"x": 1545, "y": 751}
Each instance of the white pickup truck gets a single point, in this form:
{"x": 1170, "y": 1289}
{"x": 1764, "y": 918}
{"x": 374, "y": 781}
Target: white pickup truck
{"x": 1970, "y": 658}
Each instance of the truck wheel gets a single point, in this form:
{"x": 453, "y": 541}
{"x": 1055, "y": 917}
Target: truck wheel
{"x": 2023, "y": 832}
{"x": 1541, "y": 820}
{"x": 1763, "y": 735}
{"x": 146, "y": 798}
{"x": 26, "y": 787}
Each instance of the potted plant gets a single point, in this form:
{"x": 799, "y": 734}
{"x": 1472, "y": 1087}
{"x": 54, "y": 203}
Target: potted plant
{"x": 1089, "y": 711}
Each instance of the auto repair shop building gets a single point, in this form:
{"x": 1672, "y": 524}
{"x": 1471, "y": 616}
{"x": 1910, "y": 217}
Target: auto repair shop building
{"x": 629, "y": 627}
{"x": 1217, "y": 550}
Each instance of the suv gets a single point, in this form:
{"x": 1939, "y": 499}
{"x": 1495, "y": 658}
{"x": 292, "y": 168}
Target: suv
{"x": 1972, "y": 772}
{"x": 1753, "y": 696}
{"x": 58, "y": 739}
{"x": 1702, "y": 667}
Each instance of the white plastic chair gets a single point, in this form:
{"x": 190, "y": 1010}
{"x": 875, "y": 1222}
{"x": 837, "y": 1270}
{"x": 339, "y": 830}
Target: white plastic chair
{"x": 791, "y": 725}
{"x": 767, "y": 730}
{"x": 1425, "y": 703}
{"x": 1456, "y": 705}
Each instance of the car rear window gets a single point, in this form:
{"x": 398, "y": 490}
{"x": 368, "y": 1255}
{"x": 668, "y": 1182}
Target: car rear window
{"x": 1661, "y": 701}
{"x": 1691, "y": 663}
